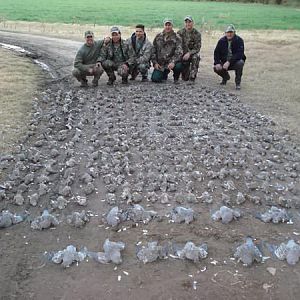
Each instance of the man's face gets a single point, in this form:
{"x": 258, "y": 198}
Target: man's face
{"x": 229, "y": 35}
{"x": 189, "y": 25}
{"x": 116, "y": 37}
{"x": 139, "y": 32}
{"x": 168, "y": 27}
{"x": 89, "y": 39}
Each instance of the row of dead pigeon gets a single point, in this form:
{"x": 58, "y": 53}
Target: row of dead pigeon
{"x": 137, "y": 213}
{"x": 247, "y": 253}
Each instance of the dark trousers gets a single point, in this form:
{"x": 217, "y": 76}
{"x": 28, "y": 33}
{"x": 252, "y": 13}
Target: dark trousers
{"x": 237, "y": 67}
{"x": 190, "y": 67}
{"x": 159, "y": 76}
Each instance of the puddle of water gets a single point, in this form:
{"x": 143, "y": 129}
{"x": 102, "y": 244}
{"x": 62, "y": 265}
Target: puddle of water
{"x": 23, "y": 51}
{"x": 44, "y": 67}
{"x": 15, "y": 48}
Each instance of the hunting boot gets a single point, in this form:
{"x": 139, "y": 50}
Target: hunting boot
{"x": 185, "y": 74}
{"x": 225, "y": 77}
{"x": 95, "y": 82}
{"x": 144, "y": 78}
{"x": 134, "y": 74}
{"x": 125, "y": 79}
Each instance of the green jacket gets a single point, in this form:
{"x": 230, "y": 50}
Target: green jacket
{"x": 88, "y": 55}
{"x": 119, "y": 55}
{"x": 191, "y": 40}
{"x": 143, "y": 56}
{"x": 167, "y": 48}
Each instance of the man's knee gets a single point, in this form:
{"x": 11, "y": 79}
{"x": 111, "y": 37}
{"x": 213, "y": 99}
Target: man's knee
{"x": 76, "y": 73}
{"x": 98, "y": 71}
{"x": 143, "y": 68}
{"x": 178, "y": 67}
{"x": 108, "y": 64}
{"x": 157, "y": 76}
{"x": 123, "y": 72}
{"x": 239, "y": 64}
{"x": 217, "y": 70}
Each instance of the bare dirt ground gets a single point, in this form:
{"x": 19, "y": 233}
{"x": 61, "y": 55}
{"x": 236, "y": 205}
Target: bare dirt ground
{"x": 115, "y": 116}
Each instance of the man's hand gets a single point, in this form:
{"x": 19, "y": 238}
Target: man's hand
{"x": 186, "y": 56}
{"x": 157, "y": 67}
{"x": 125, "y": 67}
{"x": 218, "y": 67}
{"x": 171, "y": 66}
{"x": 226, "y": 65}
{"x": 106, "y": 40}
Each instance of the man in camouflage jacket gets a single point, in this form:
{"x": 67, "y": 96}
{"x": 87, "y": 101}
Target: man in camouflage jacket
{"x": 191, "y": 44}
{"x": 115, "y": 57}
{"x": 166, "y": 54}
{"x": 86, "y": 58}
{"x": 141, "y": 49}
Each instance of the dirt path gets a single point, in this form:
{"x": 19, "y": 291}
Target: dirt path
{"x": 157, "y": 141}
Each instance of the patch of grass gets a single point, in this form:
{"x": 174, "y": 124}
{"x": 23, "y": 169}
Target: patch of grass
{"x": 19, "y": 81}
{"x": 215, "y": 15}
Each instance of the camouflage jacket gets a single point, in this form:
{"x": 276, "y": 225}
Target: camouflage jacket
{"x": 119, "y": 55}
{"x": 143, "y": 55}
{"x": 191, "y": 40}
{"x": 167, "y": 48}
{"x": 88, "y": 55}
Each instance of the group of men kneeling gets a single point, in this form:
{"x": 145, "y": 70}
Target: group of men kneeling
{"x": 177, "y": 52}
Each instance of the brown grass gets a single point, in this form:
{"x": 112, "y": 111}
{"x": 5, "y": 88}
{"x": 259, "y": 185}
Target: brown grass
{"x": 19, "y": 81}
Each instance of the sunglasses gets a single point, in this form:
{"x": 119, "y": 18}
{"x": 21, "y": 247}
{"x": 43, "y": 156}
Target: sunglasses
{"x": 89, "y": 37}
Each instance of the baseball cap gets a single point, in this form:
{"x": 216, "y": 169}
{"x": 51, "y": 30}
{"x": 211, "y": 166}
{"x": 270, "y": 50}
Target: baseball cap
{"x": 230, "y": 28}
{"x": 188, "y": 18}
{"x": 88, "y": 33}
{"x": 115, "y": 29}
{"x": 168, "y": 21}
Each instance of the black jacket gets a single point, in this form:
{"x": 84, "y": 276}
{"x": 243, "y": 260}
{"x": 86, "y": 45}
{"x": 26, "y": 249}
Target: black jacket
{"x": 221, "y": 50}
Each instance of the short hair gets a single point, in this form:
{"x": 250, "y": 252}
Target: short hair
{"x": 141, "y": 26}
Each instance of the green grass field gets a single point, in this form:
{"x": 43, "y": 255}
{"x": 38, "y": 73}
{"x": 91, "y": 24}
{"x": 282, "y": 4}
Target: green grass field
{"x": 129, "y": 12}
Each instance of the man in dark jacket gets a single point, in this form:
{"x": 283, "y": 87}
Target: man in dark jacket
{"x": 229, "y": 55}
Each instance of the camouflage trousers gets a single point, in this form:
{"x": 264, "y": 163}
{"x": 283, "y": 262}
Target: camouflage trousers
{"x": 81, "y": 75}
{"x": 110, "y": 67}
{"x": 190, "y": 67}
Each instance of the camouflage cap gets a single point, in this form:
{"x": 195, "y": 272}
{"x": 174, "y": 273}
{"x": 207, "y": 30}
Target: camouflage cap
{"x": 88, "y": 33}
{"x": 115, "y": 29}
{"x": 168, "y": 21}
{"x": 230, "y": 28}
{"x": 188, "y": 18}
